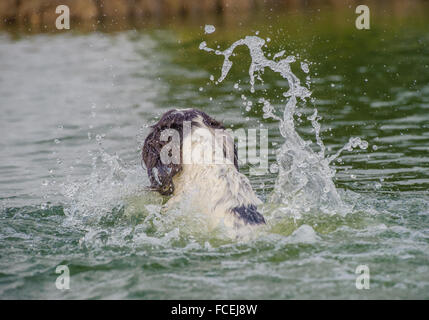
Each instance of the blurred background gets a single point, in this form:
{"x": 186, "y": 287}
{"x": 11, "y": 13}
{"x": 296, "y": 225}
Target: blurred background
{"x": 39, "y": 15}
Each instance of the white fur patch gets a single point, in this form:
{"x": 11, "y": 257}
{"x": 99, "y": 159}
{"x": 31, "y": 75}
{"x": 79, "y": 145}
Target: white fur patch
{"x": 213, "y": 185}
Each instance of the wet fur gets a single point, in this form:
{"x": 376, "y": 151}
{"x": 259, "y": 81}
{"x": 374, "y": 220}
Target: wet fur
{"x": 220, "y": 189}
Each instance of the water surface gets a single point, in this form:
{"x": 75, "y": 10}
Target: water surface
{"x": 75, "y": 110}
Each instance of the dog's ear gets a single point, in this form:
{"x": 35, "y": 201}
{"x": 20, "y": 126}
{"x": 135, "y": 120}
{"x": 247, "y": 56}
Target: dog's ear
{"x": 160, "y": 174}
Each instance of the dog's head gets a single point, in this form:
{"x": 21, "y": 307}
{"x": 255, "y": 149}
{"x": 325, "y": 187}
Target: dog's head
{"x": 161, "y": 174}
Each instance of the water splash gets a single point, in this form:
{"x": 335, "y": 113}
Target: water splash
{"x": 113, "y": 207}
{"x": 107, "y": 201}
{"x": 104, "y": 191}
{"x": 304, "y": 181}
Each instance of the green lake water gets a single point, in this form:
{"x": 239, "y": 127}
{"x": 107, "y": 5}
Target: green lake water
{"x": 76, "y": 108}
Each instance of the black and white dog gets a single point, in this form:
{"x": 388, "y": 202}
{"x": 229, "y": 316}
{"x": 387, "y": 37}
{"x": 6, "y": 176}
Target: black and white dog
{"x": 190, "y": 155}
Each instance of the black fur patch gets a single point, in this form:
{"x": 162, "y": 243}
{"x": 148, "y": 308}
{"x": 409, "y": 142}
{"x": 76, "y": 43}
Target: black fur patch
{"x": 249, "y": 214}
{"x": 161, "y": 175}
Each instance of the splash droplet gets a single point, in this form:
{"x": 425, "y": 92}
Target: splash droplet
{"x": 209, "y": 29}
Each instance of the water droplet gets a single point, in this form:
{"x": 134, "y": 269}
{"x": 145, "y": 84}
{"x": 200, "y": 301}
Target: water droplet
{"x": 203, "y": 45}
{"x": 209, "y": 29}
{"x": 304, "y": 67}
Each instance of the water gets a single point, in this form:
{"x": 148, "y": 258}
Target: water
{"x": 304, "y": 180}
{"x": 75, "y": 111}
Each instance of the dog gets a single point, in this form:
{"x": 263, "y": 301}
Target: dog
{"x": 188, "y": 154}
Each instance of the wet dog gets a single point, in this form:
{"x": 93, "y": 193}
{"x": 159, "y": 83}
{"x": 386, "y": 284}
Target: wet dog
{"x": 190, "y": 155}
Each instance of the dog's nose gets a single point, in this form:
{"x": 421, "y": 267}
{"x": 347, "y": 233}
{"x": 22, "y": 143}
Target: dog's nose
{"x": 167, "y": 189}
